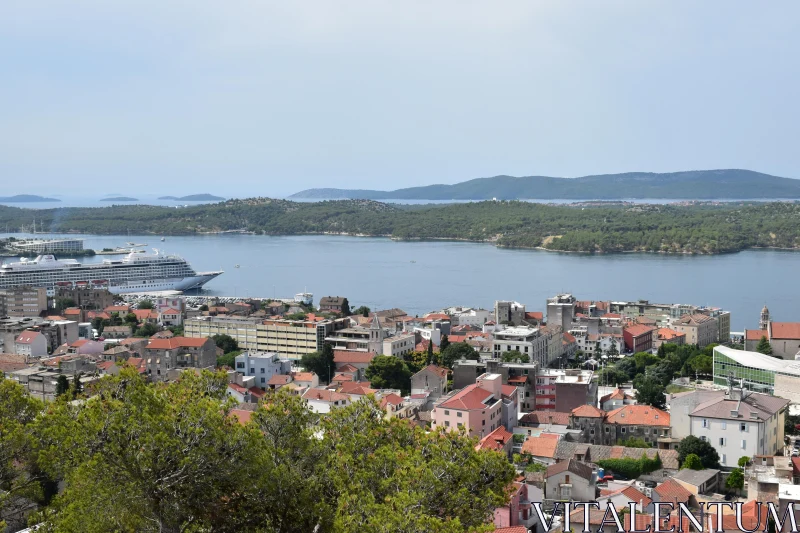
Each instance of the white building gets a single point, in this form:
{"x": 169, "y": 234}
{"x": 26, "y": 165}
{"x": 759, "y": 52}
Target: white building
{"x": 262, "y": 366}
{"x": 467, "y": 316}
{"x": 529, "y": 341}
{"x": 400, "y": 344}
{"x": 323, "y": 400}
{"x": 30, "y": 344}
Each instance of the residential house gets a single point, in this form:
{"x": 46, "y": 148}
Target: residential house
{"x": 637, "y": 421}
{"x": 170, "y": 317}
{"x": 570, "y": 480}
{"x": 349, "y": 358}
{"x": 699, "y": 329}
{"x": 305, "y": 379}
{"x": 332, "y": 304}
{"x": 278, "y": 380}
{"x": 698, "y": 481}
{"x": 500, "y": 440}
{"x": 589, "y": 420}
{"x": 672, "y": 492}
{"x": 478, "y": 407}
{"x": 116, "y": 332}
{"x": 431, "y": 379}
{"x": 615, "y": 399}
{"x": 621, "y": 499}
{"x": 323, "y": 400}
{"x": 86, "y": 347}
{"x": 262, "y": 366}
{"x": 146, "y": 316}
{"x": 668, "y": 336}
{"x": 542, "y": 448}
{"x": 518, "y": 512}
{"x": 164, "y": 355}
{"x": 396, "y": 406}
{"x": 30, "y": 344}
{"x": 592, "y": 453}
{"x": 638, "y": 338}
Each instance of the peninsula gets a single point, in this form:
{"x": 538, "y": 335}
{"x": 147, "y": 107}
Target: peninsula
{"x": 691, "y": 185}
{"x": 27, "y": 198}
{"x": 705, "y": 228}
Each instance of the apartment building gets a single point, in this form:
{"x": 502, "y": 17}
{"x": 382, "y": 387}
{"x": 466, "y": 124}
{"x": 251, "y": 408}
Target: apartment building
{"x": 529, "y": 341}
{"x": 373, "y": 339}
{"x": 478, "y": 408}
{"x": 564, "y": 390}
{"x": 175, "y": 353}
{"x": 699, "y": 329}
{"x": 23, "y": 301}
{"x": 561, "y": 311}
{"x": 289, "y": 338}
{"x": 262, "y": 366}
{"x": 512, "y": 313}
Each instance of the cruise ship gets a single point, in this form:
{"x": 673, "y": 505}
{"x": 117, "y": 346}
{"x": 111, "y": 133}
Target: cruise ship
{"x": 136, "y": 272}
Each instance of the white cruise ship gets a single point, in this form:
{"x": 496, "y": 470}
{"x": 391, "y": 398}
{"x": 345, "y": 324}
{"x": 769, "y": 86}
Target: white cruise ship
{"x": 136, "y": 272}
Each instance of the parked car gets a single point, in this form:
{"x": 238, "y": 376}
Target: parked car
{"x": 606, "y": 479}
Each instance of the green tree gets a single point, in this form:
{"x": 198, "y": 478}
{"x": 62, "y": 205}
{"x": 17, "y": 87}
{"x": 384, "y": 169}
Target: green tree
{"x": 147, "y": 330}
{"x": 389, "y": 372}
{"x": 612, "y": 350}
{"x": 131, "y": 319}
{"x": 62, "y": 385}
{"x": 226, "y": 343}
{"x": 62, "y": 303}
{"x": 76, "y": 388}
{"x": 444, "y": 342}
{"x": 662, "y": 351}
{"x": 636, "y": 442}
{"x": 743, "y": 461}
{"x": 430, "y": 352}
{"x": 611, "y": 376}
{"x": 703, "y": 449}
{"x": 764, "y": 346}
{"x": 514, "y": 355}
{"x": 456, "y": 351}
{"x": 692, "y": 462}
{"x": 97, "y": 323}
{"x": 228, "y": 359}
{"x": 203, "y": 307}
{"x": 650, "y": 392}
{"x": 362, "y": 310}
{"x": 145, "y": 304}
{"x": 345, "y": 307}
{"x": 322, "y": 363}
{"x": 735, "y": 480}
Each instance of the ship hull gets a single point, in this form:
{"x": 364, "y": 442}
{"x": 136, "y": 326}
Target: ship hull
{"x": 184, "y": 284}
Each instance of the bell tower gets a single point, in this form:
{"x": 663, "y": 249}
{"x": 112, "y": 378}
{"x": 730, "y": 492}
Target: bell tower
{"x": 764, "y": 323}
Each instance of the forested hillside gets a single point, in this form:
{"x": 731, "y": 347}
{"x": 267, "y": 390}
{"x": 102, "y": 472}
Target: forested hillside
{"x": 615, "y": 228}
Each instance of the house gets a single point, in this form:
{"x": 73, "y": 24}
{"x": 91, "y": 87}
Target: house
{"x": 332, "y": 304}
{"x": 499, "y": 440}
{"x": 542, "y": 448}
{"x": 589, "y": 420}
{"x": 116, "y": 332}
{"x": 30, "y": 344}
{"x": 121, "y": 310}
{"x": 478, "y": 407}
{"x": 262, "y": 366}
{"x": 278, "y": 380}
{"x": 671, "y": 492}
{"x": 615, "y": 399}
{"x": 668, "y": 336}
{"x": 396, "y": 406}
{"x": 698, "y": 481}
{"x": 570, "y": 480}
{"x": 737, "y": 422}
{"x": 86, "y": 347}
{"x": 518, "y": 512}
{"x": 431, "y": 379}
{"x": 699, "y": 329}
{"x": 637, "y": 421}
{"x": 170, "y": 317}
{"x": 355, "y": 359}
{"x": 305, "y": 379}
{"x": 783, "y": 337}
{"x": 638, "y": 338}
{"x": 323, "y": 400}
{"x": 622, "y": 498}
{"x": 591, "y": 453}
{"x": 163, "y": 355}
{"x": 146, "y": 316}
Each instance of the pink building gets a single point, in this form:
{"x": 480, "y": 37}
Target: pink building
{"x": 476, "y": 407}
{"x": 518, "y": 511}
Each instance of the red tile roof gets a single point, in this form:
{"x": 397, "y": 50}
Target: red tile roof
{"x": 439, "y": 371}
{"x": 137, "y": 363}
{"x": 341, "y": 378}
{"x": 508, "y": 390}
{"x": 667, "y": 334}
{"x": 672, "y": 491}
{"x": 534, "y": 315}
{"x": 542, "y": 446}
{"x": 544, "y": 417}
{"x": 27, "y": 337}
{"x": 117, "y": 309}
{"x": 470, "y": 397}
{"x": 616, "y": 394}
{"x": 436, "y": 316}
{"x": 786, "y": 330}
{"x": 511, "y": 529}
{"x": 279, "y": 379}
{"x": 569, "y": 337}
{"x": 242, "y": 416}
{"x": 303, "y": 376}
{"x": 391, "y": 398}
{"x": 755, "y": 334}
{"x": 237, "y": 388}
{"x": 177, "y": 342}
{"x": 496, "y": 440}
{"x": 324, "y": 395}
{"x": 255, "y": 392}
{"x": 347, "y": 356}
{"x": 638, "y": 329}
{"x": 638, "y": 415}
{"x": 588, "y": 411}
{"x": 170, "y": 311}
{"x": 105, "y": 365}
{"x": 78, "y": 343}
{"x": 358, "y": 388}
{"x": 347, "y": 368}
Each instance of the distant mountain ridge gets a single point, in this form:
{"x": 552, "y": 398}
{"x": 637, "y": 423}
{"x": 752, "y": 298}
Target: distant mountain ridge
{"x": 23, "y": 198}
{"x": 692, "y": 184}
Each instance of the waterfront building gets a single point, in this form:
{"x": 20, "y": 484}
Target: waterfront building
{"x": 699, "y": 329}
{"x": 48, "y": 246}
{"x": 289, "y": 338}
{"x": 23, "y": 301}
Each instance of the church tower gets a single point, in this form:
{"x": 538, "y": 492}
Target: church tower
{"x": 764, "y": 323}
{"x": 376, "y": 336}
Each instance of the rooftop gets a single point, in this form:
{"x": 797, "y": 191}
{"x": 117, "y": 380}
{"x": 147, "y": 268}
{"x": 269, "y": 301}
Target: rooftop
{"x": 696, "y": 477}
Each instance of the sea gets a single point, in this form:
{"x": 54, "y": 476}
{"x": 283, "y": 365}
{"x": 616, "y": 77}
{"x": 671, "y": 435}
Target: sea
{"x": 420, "y": 277}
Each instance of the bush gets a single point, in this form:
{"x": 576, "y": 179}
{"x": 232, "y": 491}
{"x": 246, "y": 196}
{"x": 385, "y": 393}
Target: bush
{"x": 632, "y": 468}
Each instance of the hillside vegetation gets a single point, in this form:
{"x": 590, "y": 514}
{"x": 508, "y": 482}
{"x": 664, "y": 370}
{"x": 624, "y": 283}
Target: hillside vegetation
{"x": 693, "y": 184}
{"x": 616, "y": 228}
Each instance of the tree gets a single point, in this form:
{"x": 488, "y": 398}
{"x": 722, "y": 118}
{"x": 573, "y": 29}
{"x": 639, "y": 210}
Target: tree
{"x": 62, "y": 385}
{"x": 636, "y": 442}
{"x": 735, "y": 480}
{"x": 204, "y": 307}
{"x": 692, "y": 462}
{"x": 228, "y": 359}
{"x": 389, "y": 372}
{"x": 146, "y": 304}
{"x": 650, "y": 392}
{"x": 147, "y": 330}
{"x": 611, "y": 376}
{"x": 77, "y": 386}
{"x": 764, "y": 346}
{"x": 62, "y": 303}
{"x": 514, "y": 355}
{"x": 662, "y": 351}
{"x": 97, "y": 323}
{"x": 627, "y": 366}
{"x": 703, "y": 449}
{"x": 131, "y": 319}
{"x": 444, "y": 342}
{"x": 362, "y": 310}
{"x": 613, "y": 351}
{"x": 430, "y": 352}
{"x": 345, "y": 307}
{"x": 225, "y": 342}
{"x": 456, "y": 351}
{"x": 321, "y": 363}
{"x": 743, "y": 461}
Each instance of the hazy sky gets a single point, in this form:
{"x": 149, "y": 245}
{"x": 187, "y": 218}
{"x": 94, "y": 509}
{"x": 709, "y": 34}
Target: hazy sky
{"x": 259, "y": 97}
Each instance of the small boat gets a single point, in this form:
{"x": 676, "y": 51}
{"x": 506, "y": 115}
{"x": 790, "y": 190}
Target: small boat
{"x": 163, "y": 239}
{"x": 413, "y": 261}
{"x": 237, "y": 266}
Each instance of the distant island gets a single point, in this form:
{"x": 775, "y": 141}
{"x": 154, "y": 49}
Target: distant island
{"x": 692, "y": 185}
{"x": 23, "y": 198}
{"x": 120, "y": 199}
{"x": 194, "y": 198}
{"x": 596, "y": 227}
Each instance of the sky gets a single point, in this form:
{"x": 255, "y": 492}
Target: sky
{"x": 268, "y": 97}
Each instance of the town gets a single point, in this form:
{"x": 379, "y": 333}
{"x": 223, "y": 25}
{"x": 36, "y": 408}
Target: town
{"x": 615, "y": 402}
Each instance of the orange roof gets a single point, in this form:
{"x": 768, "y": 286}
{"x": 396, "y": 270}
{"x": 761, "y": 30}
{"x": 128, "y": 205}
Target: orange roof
{"x": 437, "y": 316}
{"x": 391, "y": 398}
{"x": 672, "y": 491}
{"x": 27, "y": 337}
{"x": 279, "y": 379}
{"x": 616, "y": 394}
{"x": 638, "y": 415}
{"x": 170, "y": 311}
{"x": 535, "y": 315}
{"x": 105, "y": 365}
{"x": 438, "y": 370}
{"x": 117, "y": 309}
{"x": 359, "y": 388}
{"x": 78, "y": 343}
{"x": 755, "y": 334}
{"x": 666, "y": 334}
{"x": 237, "y": 388}
{"x": 637, "y": 330}
{"x": 137, "y": 363}
{"x": 589, "y": 411}
{"x": 508, "y": 390}
{"x": 324, "y": 395}
{"x": 495, "y": 440}
{"x": 347, "y": 368}
{"x": 786, "y": 330}
{"x": 72, "y": 311}
{"x": 142, "y": 314}
{"x": 348, "y": 356}
{"x": 256, "y": 392}
{"x": 542, "y": 446}
{"x": 511, "y": 529}
{"x": 242, "y": 416}
{"x": 177, "y": 342}
{"x": 470, "y": 397}
{"x": 568, "y": 337}
{"x": 303, "y": 376}
{"x": 342, "y": 377}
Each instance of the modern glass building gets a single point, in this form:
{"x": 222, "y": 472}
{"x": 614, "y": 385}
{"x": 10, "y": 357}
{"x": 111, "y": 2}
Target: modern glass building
{"x": 757, "y": 372}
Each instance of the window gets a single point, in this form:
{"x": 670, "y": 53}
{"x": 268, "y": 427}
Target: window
{"x": 447, "y": 412}
{"x": 724, "y": 425}
{"x": 646, "y": 431}
{"x": 607, "y": 431}
{"x": 722, "y": 441}
{"x": 458, "y": 414}
{"x": 724, "y": 459}
{"x": 263, "y": 370}
{"x": 460, "y": 424}
{"x": 263, "y": 380}
{"x": 446, "y": 424}
{"x": 705, "y": 422}
{"x": 566, "y": 479}
{"x": 742, "y": 427}
{"x": 623, "y": 430}
{"x": 744, "y": 444}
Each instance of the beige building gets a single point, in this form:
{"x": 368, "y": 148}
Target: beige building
{"x": 699, "y": 329}
{"x": 289, "y": 338}
{"x": 23, "y": 301}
